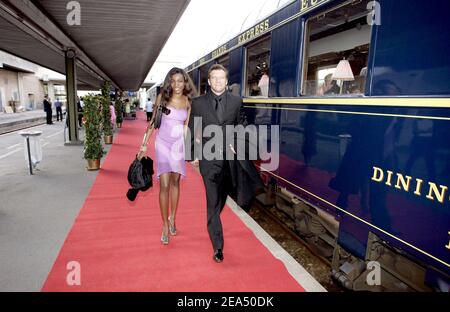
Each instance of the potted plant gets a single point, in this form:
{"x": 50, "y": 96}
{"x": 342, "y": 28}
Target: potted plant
{"x": 119, "y": 110}
{"x": 106, "y": 114}
{"x": 93, "y": 149}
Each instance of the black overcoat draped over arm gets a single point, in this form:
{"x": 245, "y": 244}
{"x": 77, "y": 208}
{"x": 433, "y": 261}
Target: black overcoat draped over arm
{"x": 246, "y": 179}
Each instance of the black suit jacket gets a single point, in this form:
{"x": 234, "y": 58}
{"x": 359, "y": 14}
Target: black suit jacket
{"x": 47, "y": 106}
{"x": 202, "y": 107}
{"x": 244, "y": 176}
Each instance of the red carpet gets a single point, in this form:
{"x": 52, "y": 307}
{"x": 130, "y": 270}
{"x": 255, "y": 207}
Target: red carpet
{"x": 117, "y": 243}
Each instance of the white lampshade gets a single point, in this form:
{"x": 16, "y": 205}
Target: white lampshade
{"x": 343, "y": 72}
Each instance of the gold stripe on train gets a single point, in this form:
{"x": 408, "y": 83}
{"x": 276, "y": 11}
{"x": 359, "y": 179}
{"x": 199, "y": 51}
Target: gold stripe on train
{"x": 356, "y": 217}
{"x": 397, "y": 102}
{"x": 348, "y": 112}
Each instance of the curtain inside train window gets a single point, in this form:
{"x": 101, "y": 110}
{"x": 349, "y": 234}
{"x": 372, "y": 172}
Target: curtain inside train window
{"x": 224, "y": 61}
{"x": 341, "y": 34}
{"x": 204, "y": 87}
{"x": 193, "y": 75}
{"x": 257, "y": 69}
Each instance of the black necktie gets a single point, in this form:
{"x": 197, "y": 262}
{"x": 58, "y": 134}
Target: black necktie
{"x": 219, "y": 107}
{"x": 217, "y": 100}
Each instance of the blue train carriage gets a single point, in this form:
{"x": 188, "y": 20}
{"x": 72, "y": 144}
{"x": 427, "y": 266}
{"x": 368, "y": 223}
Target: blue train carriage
{"x": 360, "y": 90}
{"x": 153, "y": 91}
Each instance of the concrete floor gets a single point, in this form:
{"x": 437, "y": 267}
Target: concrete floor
{"x": 37, "y": 211}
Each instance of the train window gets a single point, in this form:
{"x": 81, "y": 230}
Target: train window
{"x": 194, "y": 79}
{"x": 257, "y": 70}
{"x": 224, "y": 61}
{"x": 336, "y": 51}
{"x": 203, "y": 79}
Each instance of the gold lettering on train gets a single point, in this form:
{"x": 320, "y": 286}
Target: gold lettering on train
{"x": 219, "y": 51}
{"x": 389, "y": 178}
{"x": 448, "y": 246}
{"x": 405, "y": 182}
{"x": 434, "y": 189}
{"x": 378, "y": 174}
{"x": 304, "y": 5}
{"x": 418, "y": 187}
{"x": 309, "y": 4}
{"x": 254, "y": 32}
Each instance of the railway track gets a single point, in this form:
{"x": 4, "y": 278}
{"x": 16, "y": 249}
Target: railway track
{"x": 318, "y": 266}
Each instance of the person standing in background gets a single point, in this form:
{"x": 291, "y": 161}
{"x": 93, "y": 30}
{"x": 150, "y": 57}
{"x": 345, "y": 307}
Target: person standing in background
{"x": 48, "y": 110}
{"x": 149, "y": 109}
{"x": 112, "y": 110}
{"x": 80, "y": 105}
{"x": 58, "y": 106}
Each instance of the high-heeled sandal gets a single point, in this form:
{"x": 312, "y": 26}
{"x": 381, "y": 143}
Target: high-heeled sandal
{"x": 172, "y": 228}
{"x": 165, "y": 239}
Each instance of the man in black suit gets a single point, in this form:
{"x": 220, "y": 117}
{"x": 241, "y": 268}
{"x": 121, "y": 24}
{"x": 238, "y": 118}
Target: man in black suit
{"x": 216, "y": 108}
{"x": 48, "y": 110}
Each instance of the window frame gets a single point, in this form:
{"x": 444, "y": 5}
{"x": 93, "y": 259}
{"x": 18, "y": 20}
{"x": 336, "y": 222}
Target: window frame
{"x": 257, "y": 41}
{"x": 304, "y": 55}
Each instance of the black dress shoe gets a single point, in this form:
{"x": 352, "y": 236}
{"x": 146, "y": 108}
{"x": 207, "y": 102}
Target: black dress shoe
{"x": 218, "y": 256}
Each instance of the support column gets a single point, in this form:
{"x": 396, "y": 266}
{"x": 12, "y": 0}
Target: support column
{"x": 71, "y": 92}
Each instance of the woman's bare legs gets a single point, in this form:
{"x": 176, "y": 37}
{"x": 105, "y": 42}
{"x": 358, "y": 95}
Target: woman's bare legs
{"x": 174, "y": 196}
{"x": 164, "y": 181}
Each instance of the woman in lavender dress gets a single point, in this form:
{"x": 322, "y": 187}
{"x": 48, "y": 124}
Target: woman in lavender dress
{"x": 176, "y": 95}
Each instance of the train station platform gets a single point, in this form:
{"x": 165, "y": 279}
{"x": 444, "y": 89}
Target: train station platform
{"x": 116, "y": 246}
{"x": 22, "y": 120}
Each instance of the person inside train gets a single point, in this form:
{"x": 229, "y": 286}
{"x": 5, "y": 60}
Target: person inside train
{"x": 175, "y": 98}
{"x": 263, "y": 83}
{"x": 329, "y": 86}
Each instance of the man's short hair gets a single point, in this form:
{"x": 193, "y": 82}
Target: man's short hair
{"x": 217, "y": 67}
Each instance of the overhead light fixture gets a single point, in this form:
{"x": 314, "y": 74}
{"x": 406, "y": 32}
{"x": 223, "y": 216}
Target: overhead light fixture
{"x": 70, "y": 53}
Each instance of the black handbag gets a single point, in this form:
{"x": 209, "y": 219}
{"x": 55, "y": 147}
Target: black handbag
{"x": 140, "y": 176}
{"x": 158, "y": 116}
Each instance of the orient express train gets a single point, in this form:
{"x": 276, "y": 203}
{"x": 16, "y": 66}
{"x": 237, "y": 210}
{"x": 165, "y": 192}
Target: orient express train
{"x": 361, "y": 93}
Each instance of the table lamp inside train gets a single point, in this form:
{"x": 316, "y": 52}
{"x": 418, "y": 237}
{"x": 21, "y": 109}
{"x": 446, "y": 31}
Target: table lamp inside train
{"x": 343, "y": 72}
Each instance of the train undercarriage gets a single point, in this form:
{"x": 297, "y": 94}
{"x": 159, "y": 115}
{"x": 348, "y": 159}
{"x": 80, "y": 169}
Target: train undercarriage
{"x": 383, "y": 269}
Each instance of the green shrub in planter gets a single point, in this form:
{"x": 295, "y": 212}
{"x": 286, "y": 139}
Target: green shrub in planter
{"x": 106, "y": 113}
{"x": 93, "y": 148}
{"x": 119, "y": 110}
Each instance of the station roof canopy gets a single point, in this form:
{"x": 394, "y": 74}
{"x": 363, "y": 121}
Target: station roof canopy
{"x": 116, "y": 40}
